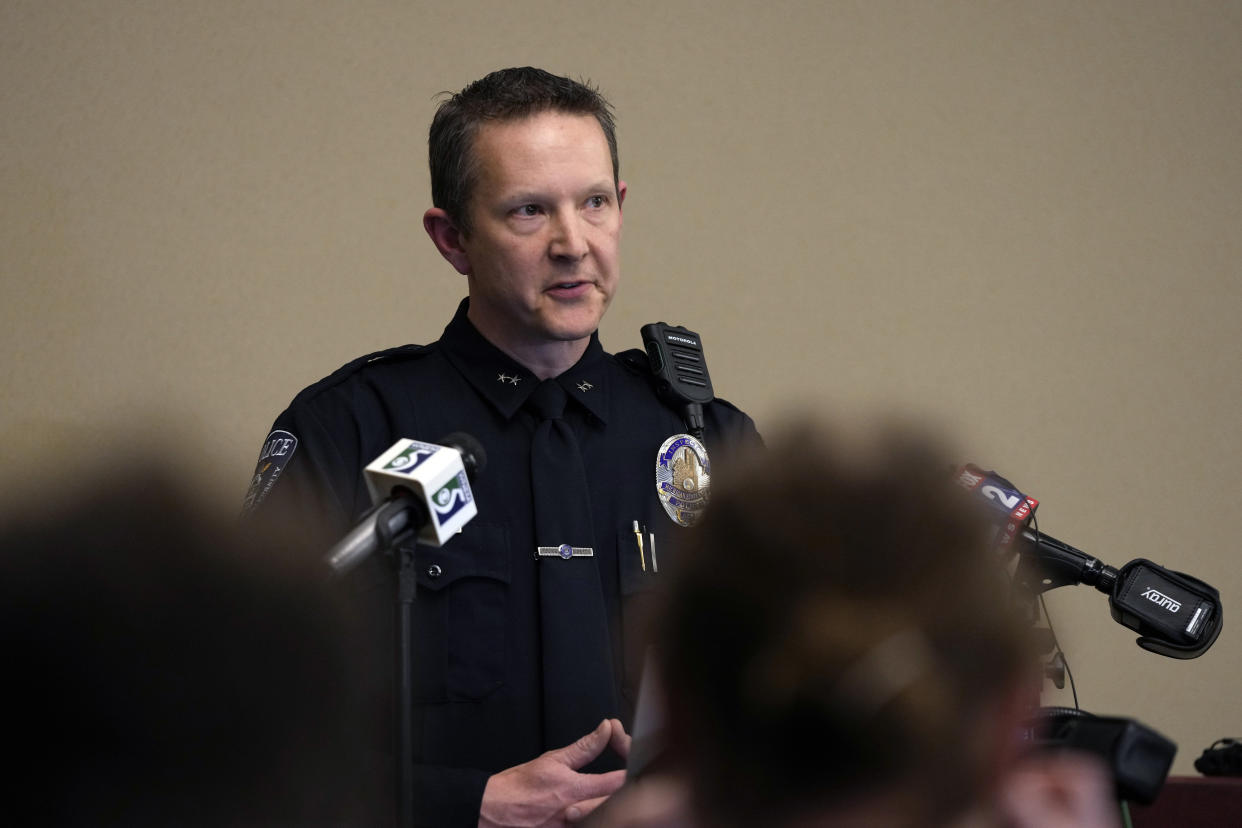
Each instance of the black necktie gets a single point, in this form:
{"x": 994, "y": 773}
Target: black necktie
{"x": 578, "y": 686}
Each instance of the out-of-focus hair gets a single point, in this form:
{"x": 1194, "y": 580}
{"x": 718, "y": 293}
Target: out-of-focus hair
{"x": 167, "y": 667}
{"x": 838, "y": 628}
{"x": 503, "y": 95}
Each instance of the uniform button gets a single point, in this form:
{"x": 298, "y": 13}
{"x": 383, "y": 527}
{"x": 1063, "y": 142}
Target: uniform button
{"x": 434, "y": 571}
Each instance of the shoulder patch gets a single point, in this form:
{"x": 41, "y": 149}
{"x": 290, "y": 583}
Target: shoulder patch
{"x": 277, "y": 451}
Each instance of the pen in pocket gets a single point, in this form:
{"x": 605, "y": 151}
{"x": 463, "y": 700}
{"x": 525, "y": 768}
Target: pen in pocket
{"x": 642, "y": 558}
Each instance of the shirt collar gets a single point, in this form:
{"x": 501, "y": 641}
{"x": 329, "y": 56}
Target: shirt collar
{"x": 506, "y": 384}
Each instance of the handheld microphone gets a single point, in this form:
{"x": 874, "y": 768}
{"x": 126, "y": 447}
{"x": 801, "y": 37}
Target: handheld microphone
{"x": 417, "y": 488}
{"x": 1175, "y": 614}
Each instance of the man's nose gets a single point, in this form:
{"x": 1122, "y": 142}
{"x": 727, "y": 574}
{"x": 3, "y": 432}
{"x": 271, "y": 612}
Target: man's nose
{"x": 568, "y": 238}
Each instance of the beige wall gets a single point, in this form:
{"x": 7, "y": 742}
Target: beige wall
{"x": 1019, "y": 219}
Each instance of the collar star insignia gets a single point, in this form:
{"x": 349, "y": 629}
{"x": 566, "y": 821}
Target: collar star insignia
{"x": 503, "y": 377}
{"x": 585, "y": 386}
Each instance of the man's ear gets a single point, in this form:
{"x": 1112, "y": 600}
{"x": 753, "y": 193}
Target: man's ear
{"x": 447, "y": 239}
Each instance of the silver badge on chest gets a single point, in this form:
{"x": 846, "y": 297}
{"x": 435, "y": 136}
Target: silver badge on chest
{"x": 683, "y": 478}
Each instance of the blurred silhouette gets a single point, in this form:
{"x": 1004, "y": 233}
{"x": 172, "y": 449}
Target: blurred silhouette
{"x": 166, "y": 667}
{"x": 839, "y": 647}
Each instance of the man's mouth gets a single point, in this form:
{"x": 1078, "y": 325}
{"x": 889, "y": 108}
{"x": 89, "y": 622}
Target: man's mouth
{"x": 569, "y": 288}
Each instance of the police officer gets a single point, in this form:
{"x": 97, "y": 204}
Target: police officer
{"x": 525, "y": 649}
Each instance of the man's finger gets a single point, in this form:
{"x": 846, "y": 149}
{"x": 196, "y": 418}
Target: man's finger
{"x": 620, "y": 742}
{"x": 585, "y": 749}
{"x": 593, "y": 785}
{"x": 581, "y": 810}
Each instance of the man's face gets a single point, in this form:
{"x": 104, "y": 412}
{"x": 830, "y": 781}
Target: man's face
{"x": 541, "y": 256}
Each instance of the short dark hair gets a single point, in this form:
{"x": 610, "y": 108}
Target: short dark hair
{"x": 503, "y": 95}
{"x": 837, "y": 627}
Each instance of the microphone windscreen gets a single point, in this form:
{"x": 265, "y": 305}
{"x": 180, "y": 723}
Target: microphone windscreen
{"x": 473, "y": 456}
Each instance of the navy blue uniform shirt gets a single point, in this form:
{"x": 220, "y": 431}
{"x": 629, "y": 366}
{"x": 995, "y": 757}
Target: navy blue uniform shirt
{"x": 477, "y": 693}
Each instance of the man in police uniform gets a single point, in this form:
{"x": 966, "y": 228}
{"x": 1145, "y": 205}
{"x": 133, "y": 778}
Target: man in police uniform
{"x": 528, "y": 208}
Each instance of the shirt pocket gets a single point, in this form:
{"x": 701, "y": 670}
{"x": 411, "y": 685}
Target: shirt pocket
{"x": 459, "y": 616}
{"x": 641, "y": 591}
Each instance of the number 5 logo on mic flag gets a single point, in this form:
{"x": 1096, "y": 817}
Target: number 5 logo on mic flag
{"x": 449, "y": 500}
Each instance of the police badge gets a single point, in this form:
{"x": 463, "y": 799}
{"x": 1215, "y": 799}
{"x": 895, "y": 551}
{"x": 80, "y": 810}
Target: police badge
{"x": 683, "y": 478}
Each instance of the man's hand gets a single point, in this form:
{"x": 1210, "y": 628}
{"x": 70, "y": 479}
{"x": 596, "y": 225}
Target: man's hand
{"x": 548, "y": 790}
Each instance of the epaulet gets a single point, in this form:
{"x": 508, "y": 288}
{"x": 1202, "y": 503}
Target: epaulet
{"x": 635, "y": 361}
{"x": 388, "y": 355}
{"x": 392, "y": 354}
{"x": 726, "y": 404}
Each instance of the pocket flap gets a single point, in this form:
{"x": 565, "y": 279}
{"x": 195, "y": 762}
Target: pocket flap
{"x": 479, "y": 551}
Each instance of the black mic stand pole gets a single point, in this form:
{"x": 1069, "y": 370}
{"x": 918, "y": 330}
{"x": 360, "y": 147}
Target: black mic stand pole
{"x": 403, "y": 683}
{"x": 406, "y": 588}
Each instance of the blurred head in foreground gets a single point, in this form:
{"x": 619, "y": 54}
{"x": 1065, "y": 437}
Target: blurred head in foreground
{"x": 162, "y": 668}
{"x": 839, "y": 646}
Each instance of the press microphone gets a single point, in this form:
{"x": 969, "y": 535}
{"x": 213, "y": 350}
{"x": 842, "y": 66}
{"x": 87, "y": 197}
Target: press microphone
{"x": 418, "y": 488}
{"x": 1175, "y": 614}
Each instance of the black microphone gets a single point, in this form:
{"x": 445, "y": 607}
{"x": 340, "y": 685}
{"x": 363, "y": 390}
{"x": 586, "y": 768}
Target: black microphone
{"x": 1175, "y": 614}
{"x": 416, "y": 487}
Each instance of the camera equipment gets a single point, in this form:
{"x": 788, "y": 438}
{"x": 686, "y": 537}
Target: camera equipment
{"x": 1138, "y": 756}
{"x": 1222, "y": 758}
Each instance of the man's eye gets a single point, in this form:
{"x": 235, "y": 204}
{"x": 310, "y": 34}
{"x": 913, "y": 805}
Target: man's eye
{"x": 596, "y": 202}
{"x": 528, "y": 210}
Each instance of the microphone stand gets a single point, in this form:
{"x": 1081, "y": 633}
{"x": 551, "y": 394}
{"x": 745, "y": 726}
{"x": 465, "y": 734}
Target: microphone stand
{"x": 391, "y": 524}
{"x": 407, "y": 588}
{"x": 385, "y": 528}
